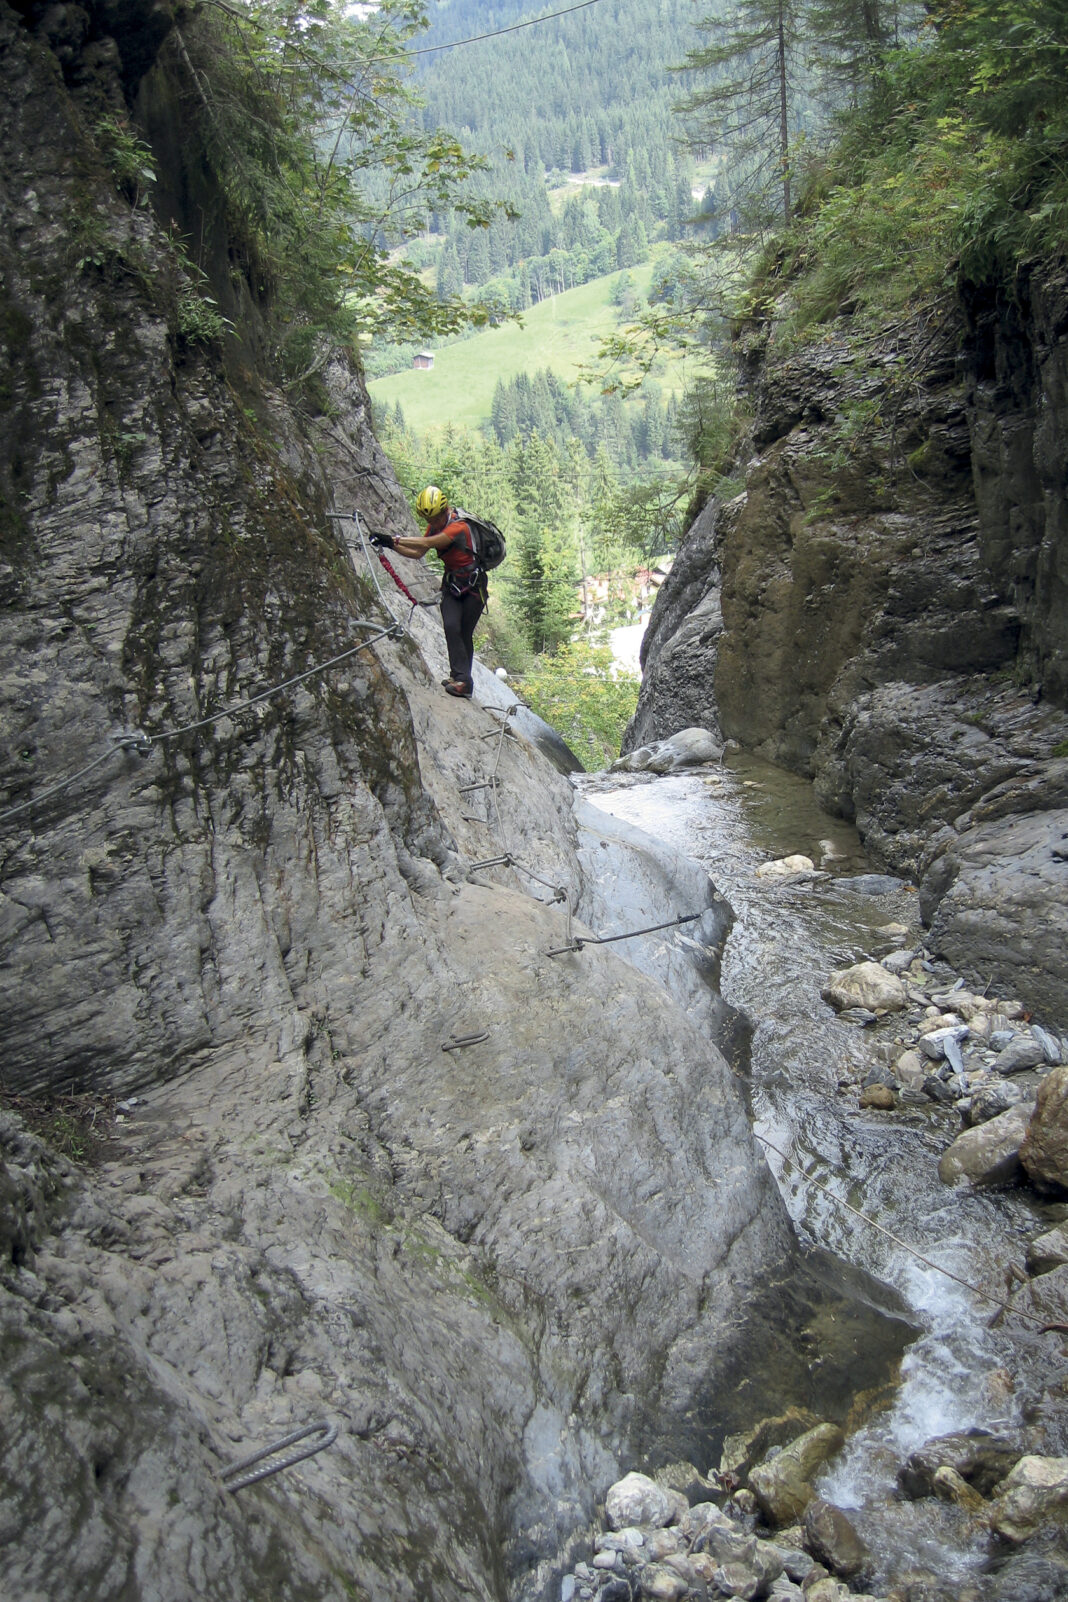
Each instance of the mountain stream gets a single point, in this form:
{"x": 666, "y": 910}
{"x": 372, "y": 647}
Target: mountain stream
{"x": 803, "y": 1067}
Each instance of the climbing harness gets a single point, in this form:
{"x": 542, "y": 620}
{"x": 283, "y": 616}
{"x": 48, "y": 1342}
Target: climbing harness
{"x": 138, "y": 741}
{"x": 234, "y": 1478}
{"x": 913, "y": 1251}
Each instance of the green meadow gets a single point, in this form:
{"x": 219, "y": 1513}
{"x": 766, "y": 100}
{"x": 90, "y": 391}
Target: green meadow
{"x": 562, "y": 333}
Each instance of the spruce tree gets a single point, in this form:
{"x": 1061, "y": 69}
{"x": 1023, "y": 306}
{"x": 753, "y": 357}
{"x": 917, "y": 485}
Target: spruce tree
{"x": 748, "y": 105}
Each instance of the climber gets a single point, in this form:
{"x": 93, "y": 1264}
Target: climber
{"x": 463, "y": 584}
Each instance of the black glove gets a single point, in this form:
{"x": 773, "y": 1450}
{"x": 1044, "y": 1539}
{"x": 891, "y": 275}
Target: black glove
{"x": 378, "y": 540}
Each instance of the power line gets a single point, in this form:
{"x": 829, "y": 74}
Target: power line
{"x": 533, "y": 22}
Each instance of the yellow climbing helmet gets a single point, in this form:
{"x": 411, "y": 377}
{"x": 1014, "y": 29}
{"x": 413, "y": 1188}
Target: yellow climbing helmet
{"x": 431, "y": 501}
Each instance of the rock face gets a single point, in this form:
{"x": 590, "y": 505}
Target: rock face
{"x": 861, "y": 622}
{"x": 497, "y": 1215}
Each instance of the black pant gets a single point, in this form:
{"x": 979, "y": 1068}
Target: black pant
{"x": 459, "y": 615}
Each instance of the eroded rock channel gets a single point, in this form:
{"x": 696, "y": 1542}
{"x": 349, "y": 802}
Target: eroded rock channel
{"x": 948, "y": 1488}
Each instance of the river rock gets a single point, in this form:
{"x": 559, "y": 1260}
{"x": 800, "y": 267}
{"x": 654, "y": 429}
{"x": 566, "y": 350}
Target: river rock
{"x": 782, "y": 1484}
{"x": 785, "y": 867}
{"x": 872, "y": 884}
{"x": 990, "y": 1100}
{"x": 687, "y": 749}
{"x": 740, "y": 1452}
{"x": 898, "y": 962}
{"x": 797, "y": 1562}
{"x": 936, "y": 1043}
{"x": 880, "y": 1097}
{"x": 989, "y": 1154}
{"x": 694, "y": 1570}
{"x": 636, "y": 1499}
{"x": 750, "y": 1564}
{"x": 1048, "y": 1251}
{"x": 981, "y": 1025}
{"x": 940, "y": 1090}
{"x": 1022, "y": 1051}
{"x": 1052, "y": 1049}
{"x": 735, "y": 1579}
{"x": 620, "y": 1540}
{"x": 1026, "y": 1575}
{"x": 828, "y": 1589}
{"x": 1034, "y": 1493}
{"x": 616, "y": 1590}
{"x": 659, "y": 1544}
{"x": 950, "y": 1486}
{"x": 687, "y": 1480}
{"x": 701, "y": 1517}
{"x": 833, "y": 1540}
{"x": 969, "y": 1006}
{"x": 1044, "y": 1152}
{"x": 980, "y": 1457}
{"x": 910, "y": 1070}
{"x": 866, "y": 984}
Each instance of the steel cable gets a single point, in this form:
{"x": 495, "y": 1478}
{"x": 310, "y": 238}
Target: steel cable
{"x": 913, "y": 1251}
{"x": 138, "y": 740}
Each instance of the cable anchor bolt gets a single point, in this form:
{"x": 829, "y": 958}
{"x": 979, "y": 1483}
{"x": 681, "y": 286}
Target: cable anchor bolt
{"x": 133, "y": 740}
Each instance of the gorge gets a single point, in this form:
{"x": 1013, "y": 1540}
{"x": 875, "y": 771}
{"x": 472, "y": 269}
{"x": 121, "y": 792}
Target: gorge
{"x": 329, "y": 1133}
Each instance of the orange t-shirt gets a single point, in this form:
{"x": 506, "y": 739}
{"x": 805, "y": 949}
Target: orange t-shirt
{"x": 460, "y": 555}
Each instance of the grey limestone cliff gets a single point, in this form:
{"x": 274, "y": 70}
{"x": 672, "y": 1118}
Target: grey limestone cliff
{"x": 504, "y": 1271}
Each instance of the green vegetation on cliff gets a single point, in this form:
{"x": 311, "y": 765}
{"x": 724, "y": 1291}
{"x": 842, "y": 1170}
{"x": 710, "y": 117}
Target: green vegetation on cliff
{"x": 952, "y": 168}
{"x": 306, "y": 118}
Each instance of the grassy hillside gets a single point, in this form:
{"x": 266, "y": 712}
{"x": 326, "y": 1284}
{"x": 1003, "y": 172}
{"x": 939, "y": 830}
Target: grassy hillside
{"x": 561, "y": 333}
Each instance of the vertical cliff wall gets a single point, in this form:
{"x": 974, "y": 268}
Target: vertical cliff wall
{"x": 883, "y": 609}
{"x": 244, "y": 928}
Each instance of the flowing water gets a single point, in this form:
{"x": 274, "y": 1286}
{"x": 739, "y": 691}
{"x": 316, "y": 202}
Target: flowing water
{"x": 787, "y": 937}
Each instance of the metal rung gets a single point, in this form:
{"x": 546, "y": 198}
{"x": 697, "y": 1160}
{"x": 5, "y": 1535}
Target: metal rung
{"x": 458, "y": 1042}
{"x": 490, "y": 862}
{"x": 631, "y": 934}
{"x": 235, "y": 1478}
{"x": 484, "y": 784}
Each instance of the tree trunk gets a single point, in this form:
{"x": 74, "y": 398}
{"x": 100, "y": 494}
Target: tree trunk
{"x": 784, "y": 124}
